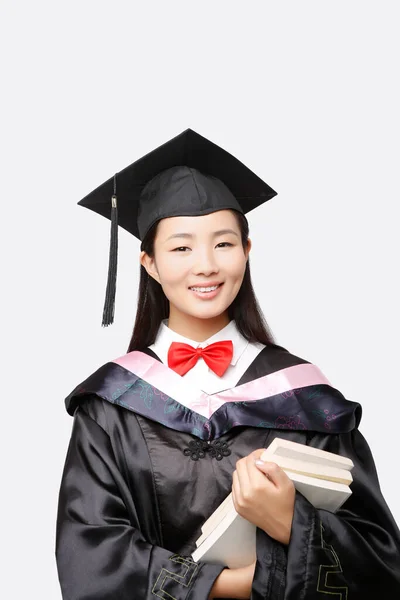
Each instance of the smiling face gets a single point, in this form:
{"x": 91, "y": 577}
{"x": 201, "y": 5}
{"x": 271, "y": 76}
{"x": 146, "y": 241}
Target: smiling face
{"x": 200, "y": 263}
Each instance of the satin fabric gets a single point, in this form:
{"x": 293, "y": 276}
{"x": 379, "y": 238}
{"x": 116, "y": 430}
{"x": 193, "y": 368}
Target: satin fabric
{"x": 284, "y": 400}
{"x": 132, "y": 504}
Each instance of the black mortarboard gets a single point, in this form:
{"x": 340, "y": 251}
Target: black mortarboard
{"x": 186, "y": 176}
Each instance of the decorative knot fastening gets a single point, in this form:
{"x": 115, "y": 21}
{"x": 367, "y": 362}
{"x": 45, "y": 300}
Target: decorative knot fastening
{"x": 198, "y": 448}
{"x": 219, "y": 449}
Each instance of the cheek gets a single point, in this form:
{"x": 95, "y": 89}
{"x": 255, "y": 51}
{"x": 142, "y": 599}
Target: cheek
{"x": 236, "y": 266}
{"x": 170, "y": 269}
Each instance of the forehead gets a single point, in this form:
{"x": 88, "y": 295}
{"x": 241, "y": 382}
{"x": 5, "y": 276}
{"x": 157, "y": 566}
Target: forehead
{"x": 221, "y": 219}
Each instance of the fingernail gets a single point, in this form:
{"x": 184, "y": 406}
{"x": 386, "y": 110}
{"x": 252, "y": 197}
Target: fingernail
{"x": 259, "y": 462}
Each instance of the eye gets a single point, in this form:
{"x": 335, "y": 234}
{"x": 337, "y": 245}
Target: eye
{"x": 180, "y": 249}
{"x": 224, "y": 244}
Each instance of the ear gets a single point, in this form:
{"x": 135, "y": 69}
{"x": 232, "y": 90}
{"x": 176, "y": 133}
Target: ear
{"x": 247, "y": 251}
{"x": 149, "y": 264}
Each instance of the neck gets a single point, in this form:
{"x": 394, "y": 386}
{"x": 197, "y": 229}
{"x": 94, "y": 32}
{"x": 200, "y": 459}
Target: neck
{"x": 194, "y": 328}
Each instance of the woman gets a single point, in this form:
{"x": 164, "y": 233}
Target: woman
{"x": 164, "y": 433}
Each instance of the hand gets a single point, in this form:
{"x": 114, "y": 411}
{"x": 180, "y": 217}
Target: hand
{"x": 245, "y": 583}
{"x": 264, "y": 495}
{"x": 234, "y": 583}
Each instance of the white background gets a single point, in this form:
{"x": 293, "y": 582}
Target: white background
{"x": 305, "y": 93}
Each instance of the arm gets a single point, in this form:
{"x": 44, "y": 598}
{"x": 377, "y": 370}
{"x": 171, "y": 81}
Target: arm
{"x": 234, "y": 583}
{"x": 100, "y": 554}
{"x": 351, "y": 555}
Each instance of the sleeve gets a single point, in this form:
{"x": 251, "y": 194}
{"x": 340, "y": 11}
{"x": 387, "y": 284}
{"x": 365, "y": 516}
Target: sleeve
{"x": 100, "y": 555}
{"x": 353, "y": 554}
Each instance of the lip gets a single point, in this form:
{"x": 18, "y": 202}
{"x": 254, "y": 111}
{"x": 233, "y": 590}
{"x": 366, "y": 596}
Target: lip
{"x": 207, "y": 295}
{"x": 206, "y": 284}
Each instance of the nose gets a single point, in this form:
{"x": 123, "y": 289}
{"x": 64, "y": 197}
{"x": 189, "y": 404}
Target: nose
{"x": 205, "y": 263}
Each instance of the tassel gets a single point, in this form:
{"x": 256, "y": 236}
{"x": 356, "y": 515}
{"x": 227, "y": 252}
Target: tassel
{"x": 109, "y": 304}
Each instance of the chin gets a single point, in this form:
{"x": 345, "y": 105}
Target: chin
{"x": 208, "y": 312}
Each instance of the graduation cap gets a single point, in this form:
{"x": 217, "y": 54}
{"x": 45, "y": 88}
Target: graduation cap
{"x": 186, "y": 176}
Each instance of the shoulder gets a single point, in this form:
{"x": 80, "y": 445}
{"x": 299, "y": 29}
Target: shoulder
{"x": 269, "y": 359}
{"x": 274, "y": 358}
{"x": 89, "y": 406}
{"x": 107, "y": 382}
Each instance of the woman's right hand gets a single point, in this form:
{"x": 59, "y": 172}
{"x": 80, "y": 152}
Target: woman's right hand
{"x": 234, "y": 583}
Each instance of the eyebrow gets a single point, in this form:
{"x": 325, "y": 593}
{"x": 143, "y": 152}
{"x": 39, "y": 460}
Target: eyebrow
{"x": 190, "y": 235}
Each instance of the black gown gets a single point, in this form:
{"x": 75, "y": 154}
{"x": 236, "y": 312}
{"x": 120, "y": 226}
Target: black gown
{"x": 144, "y": 472}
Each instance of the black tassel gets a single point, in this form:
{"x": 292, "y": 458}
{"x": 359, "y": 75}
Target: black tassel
{"x": 109, "y": 304}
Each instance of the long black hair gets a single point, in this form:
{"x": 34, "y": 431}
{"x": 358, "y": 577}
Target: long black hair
{"x": 153, "y": 305}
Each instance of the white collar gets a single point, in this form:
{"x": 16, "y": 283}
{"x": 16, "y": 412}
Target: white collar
{"x": 165, "y": 336}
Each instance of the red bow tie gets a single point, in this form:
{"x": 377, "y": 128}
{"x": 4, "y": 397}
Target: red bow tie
{"x": 183, "y": 357}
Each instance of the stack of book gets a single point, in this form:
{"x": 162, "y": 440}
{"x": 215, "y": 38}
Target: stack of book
{"x": 321, "y": 477}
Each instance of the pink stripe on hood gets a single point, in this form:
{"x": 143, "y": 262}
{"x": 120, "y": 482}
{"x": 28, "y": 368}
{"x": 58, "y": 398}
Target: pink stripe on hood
{"x": 169, "y": 382}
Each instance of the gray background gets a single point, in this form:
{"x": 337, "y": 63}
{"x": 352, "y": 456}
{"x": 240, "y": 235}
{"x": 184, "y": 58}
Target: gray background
{"x": 305, "y": 93}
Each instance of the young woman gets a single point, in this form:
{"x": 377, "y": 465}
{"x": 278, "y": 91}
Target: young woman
{"x": 164, "y": 433}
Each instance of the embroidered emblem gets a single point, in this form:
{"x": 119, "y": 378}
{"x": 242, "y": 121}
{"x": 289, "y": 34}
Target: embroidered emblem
{"x": 168, "y": 579}
{"x": 325, "y": 415}
{"x": 326, "y": 570}
{"x": 197, "y": 449}
{"x": 289, "y": 422}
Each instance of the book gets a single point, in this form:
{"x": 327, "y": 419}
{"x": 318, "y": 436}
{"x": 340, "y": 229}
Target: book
{"x": 217, "y": 516}
{"x": 324, "y": 478}
{"x": 309, "y": 461}
{"x": 282, "y": 447}
{"x": 232, "y": 542}
{"x": 310, "y": 469}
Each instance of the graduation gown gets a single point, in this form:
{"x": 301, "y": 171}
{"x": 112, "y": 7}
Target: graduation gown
{"x": 144, "y": 471}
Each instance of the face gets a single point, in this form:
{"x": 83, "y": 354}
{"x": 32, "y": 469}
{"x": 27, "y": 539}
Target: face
{"x": 199, "y": 262}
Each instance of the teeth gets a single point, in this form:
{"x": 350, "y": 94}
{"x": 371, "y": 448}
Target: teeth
{"x": 204, "y": 289}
